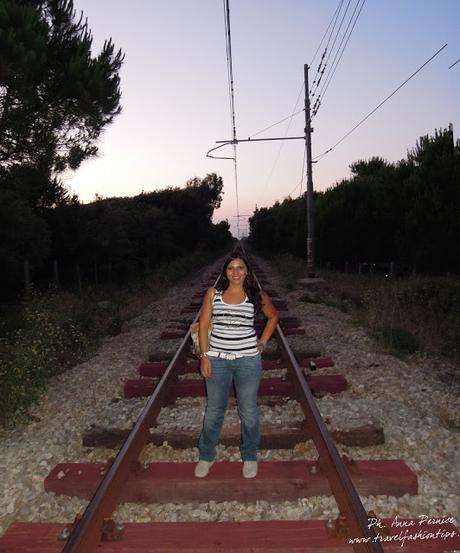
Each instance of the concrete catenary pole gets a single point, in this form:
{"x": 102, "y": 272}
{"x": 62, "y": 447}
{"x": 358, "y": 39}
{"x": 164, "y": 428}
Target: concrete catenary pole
{"x": 310, "y": 198}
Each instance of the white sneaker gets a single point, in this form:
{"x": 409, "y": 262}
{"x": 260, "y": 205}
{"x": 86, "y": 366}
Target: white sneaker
{"x": 202, "y": 468}
{"x": 250, "y": 469}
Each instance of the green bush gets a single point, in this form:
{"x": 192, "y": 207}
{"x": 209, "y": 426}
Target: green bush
{"x": 436, "y": 300}
{"x": 403, "y": 314}
{"x": 47, "y": 341}
{"x": 53, "y": 330}
{"x": 397, "y": 341}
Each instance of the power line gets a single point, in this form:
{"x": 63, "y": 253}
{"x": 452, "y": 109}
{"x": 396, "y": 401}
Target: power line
{"x": 455, "y": 63}
{"x": 228, "y": 45}
{"x": 335, "y": 64}
{"x": 320, "y": 71}
{"x": 313, "y": 91}
{"x": 325, "y": 32}
{"x": 282, "y": 143}
{"x": 278, "y": 122}
{"x": 301, "y": 176}
{"x": 320, "y": 156}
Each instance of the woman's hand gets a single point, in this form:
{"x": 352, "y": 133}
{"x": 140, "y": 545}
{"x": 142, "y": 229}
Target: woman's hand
{"x": 261, "y": 345}
{"x": 205, "y": 367}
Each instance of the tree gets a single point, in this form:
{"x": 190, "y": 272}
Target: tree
{"x": 432, "y": 224}
{"x": 23, "y": 235}
{"x": 406, "y": 212}
{"x": 55, "y": 98}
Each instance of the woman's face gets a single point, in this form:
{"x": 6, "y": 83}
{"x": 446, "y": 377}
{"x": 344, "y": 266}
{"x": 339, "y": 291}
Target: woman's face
{"x": 236, "y": 271}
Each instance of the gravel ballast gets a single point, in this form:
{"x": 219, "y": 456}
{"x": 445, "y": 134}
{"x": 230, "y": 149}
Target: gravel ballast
{"x": 408, "y": 399}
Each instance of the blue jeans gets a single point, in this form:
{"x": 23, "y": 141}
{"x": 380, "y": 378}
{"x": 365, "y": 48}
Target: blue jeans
{"x": 245, "y": 372}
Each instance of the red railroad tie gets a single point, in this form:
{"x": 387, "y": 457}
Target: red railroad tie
{"x": 153, "y": 369}
{"x": 157, "y": 368}
{"x": 282, "y": 536}
{"x": 170, "y": 335}
{"x": 163, "y": 356}
{"x": 332, "y": 384}
{"x": 270, "y": 364}
{"x": 288, "y": 318}
{"x": 290, "y": 324}
{"x": 143, "y": 387}
{"x": 276, "y": 481}
{"x": 294, "y": 331}
{"x": 317, "y": 363}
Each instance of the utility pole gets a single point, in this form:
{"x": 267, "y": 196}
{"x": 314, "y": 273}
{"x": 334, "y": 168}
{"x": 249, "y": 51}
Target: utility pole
{"x": 310, "y": 198}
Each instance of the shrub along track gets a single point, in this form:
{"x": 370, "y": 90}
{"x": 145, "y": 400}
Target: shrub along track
{"x": 127, "y": 479}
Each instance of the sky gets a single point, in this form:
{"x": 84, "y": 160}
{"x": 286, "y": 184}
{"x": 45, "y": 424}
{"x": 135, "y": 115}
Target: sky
{"x": 175, "y": 100}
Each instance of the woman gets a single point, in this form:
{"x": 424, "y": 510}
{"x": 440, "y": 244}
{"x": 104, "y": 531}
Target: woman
{"x": 232, "y": 354}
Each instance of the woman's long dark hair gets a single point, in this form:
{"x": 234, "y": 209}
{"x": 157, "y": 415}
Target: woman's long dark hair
{"x": 249, "y": 284}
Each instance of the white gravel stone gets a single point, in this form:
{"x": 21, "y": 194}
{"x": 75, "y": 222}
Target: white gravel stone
{"x": 417, "y": 410}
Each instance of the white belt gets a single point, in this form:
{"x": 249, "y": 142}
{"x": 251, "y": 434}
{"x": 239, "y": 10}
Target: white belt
{"x": 223, "y": 355}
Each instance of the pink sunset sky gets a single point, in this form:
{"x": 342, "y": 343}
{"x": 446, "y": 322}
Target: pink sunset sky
{"x": 176, "y": 105}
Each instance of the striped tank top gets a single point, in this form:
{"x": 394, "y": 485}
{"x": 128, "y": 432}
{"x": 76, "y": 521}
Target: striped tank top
{"x": 233, "y": 327}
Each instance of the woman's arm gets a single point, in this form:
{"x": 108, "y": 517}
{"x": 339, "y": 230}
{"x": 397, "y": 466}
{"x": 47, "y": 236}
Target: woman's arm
{"x": 205, "y": 319}
{"x": 272, "y": 320}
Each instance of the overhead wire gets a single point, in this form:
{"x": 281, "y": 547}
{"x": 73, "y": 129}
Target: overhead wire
{"x": 335, "y": 62}
{"x": 294, "y": 111}
{"x": 302, "y": 176}
{"x": 320, "y": 70}
{"x": 333, "y": 23}
{"x": 316, "y": 83}
{"x": 228, "y": 47}
{"x": 320, "y": 156}
{"x": 325, "y": 32}
{"x": 278, "y": 122}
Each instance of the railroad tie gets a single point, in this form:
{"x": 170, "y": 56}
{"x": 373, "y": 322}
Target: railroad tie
{"x": 163, "y": 482}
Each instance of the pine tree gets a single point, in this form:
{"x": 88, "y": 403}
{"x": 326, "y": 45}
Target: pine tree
{"x": 55, "y": 97}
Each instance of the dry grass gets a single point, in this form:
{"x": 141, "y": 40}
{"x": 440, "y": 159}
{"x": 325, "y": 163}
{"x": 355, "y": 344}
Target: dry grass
{"x": 404, "y": 315}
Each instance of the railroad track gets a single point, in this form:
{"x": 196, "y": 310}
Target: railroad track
{"x": 124, "y": 479}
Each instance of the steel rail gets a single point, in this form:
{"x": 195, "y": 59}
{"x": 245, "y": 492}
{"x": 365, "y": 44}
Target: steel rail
{"x": 87, "y": 533}
{"x": 342, "y": 487}
{"x": 86, "y": 536}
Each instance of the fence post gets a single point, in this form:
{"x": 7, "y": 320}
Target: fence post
{"x": 55, "y": 273}
{"x": 26, "y": 275}
{"x": 78, "y": 277}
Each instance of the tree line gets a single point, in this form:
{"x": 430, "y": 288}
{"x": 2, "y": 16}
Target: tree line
{"x": 406, "y": 212}
{"x": 123, "y": 238}
{"x": 56, "y": 97}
